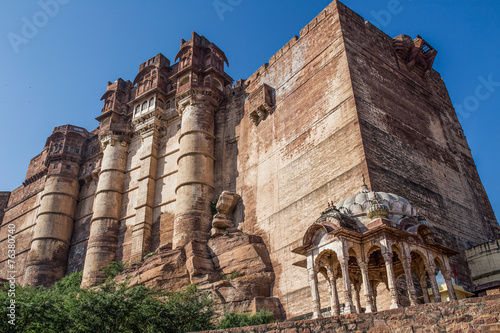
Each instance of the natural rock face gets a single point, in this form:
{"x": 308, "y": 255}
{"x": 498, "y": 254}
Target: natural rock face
{"x": 341, "y": 100}
{"x": 235, "y": 266}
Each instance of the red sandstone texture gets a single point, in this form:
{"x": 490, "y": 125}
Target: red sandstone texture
{"x": 341, "y": 100}
{"x": 473, "y": 315}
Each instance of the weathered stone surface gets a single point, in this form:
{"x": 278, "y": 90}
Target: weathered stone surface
{"x": 384, "y": 321}
{"x": 341, "y": 100}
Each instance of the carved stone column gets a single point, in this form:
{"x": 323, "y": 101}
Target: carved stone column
{"x": 374, "y": 290}
{"x": 195, "y": 179}
{"x": 103, "y": 238}
{"x": 367, "y": 288}
{"x": 334, "y": 297}
{"x": 412, "y": 293}
{"x": 391, "y": 279}
{"x": 431, "y": 270}
{"x": 449, "y": 285}
{"x": 141, "y": 233}
{"x": 423, "y": 284}
{"x": 313, "y": 283}
{"x": 356, "y": 296}
{"x": 344, "y": 265}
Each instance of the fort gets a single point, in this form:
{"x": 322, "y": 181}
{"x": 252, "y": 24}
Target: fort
{"x": 334, "y": 180}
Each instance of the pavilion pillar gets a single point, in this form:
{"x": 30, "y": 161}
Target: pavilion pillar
{"x": 313, "y": 283}
{"x": 412, "y": 292}
{"x": 423, "y": 284}
{"x": 334, "y": 297}
{"x": 391, "y": 279}
{"x": 431, "y": 270}
{"x": 449, "y": 285}
{"x": 367, "y": 288}
{"x": 344, "y": 266}
{"x": 356, "y": 296}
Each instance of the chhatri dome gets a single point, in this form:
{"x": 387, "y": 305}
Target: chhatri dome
{"x": 368, "y": 205}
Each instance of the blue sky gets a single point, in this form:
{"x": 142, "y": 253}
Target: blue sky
{"x": 56, "y": 73}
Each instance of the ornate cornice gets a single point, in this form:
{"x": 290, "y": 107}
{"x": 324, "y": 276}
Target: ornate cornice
{"x": 205, "y": 96}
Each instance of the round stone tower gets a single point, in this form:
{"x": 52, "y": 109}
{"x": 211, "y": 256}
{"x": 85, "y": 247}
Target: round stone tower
{"x": 48, "y": 256}
{"x": 200, "y": 82}
{"x": 114, "y": 135}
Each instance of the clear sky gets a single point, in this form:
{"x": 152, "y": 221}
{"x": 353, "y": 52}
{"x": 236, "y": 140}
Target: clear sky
{"x": 55, "y": 61}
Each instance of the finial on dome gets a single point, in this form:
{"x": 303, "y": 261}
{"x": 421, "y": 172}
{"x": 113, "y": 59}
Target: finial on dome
{"x": 364, "y": 187}
{"x": 377, "y": 209}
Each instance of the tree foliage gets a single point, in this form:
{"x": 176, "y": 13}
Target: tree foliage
{"x": 109, "y": 308}
{"x": 115, "y": 308}
{"x": 233, "y": 319}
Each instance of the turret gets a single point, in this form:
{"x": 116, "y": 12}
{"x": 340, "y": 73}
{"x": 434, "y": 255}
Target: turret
{"x": 48, "y": 256}
{"x": 200, "y": 80}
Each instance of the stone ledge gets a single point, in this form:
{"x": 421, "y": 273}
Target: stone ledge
{"x": 481, "y": 314}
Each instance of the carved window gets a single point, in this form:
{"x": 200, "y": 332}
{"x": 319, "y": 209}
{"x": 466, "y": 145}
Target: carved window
{"x": 184, "y": 80}
{"x": 217, "y": 84}
{"x": 78, "y": 150}
{"x": 168, "y": 104}
{"x": 152, "y": 102}
{"x": 72, "y": 149}
{"x": 137, "y": 109}
{"x": 51, "y": 149}
{"x": 144, "y": 106}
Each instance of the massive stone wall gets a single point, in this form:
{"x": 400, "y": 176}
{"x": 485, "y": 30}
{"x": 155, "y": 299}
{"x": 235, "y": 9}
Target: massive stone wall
{"x": 413, "y": 141}
{"x": 472, "y": 315}
{"x": 307, "y": 151}
{"x": 334, "y": 104}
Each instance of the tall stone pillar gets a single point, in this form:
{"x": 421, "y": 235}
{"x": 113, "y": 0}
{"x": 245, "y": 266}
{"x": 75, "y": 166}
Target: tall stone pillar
{"x": 141, "y": 233}
{"x": 374, "y": 290}
{"x": 103, "y": 239}
{"x": 412, "y": 292}
{"x": 334, "y": 297}
{"x": 195, "y": 179}
{"x": 356, "y": 295}
{"x": 391, "y": 279}
{"x": 431, "y": 270}
{"x": 46, "y": 263}
{"x": 348, "y": 307}
{"x": 366, "y": 286}
{"x": 449, "y": 285}
{"x": 313, "y": 283}
{"x": 423, "y": 284}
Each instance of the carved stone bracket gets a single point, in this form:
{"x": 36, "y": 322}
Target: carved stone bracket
{"x": 198, "y": 95}
{"x": 260, "y": 103}
{"x": 109, "y": 138}
{"x": 225, "y": 206}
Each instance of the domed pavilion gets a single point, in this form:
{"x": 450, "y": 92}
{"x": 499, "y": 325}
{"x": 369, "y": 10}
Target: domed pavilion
{"x": 368, "y": 239}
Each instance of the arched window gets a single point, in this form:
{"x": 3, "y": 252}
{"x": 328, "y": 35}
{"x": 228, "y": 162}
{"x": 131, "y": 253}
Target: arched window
{"x": 168, "y": 105}
{"x": 152, "y": 102}
{"x": 217, "y": 84}
{"x": 137, "y": 109}
{"x": 72, "y": 149}
{"x": 184, "y": 80}
{"x": 144, "y": 106}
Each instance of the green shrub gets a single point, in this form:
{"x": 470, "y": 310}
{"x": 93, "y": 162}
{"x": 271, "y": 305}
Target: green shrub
{"x": 113, "y": 269}
{"x": 233, "y": 319}
{"x": 110, "y": 308}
